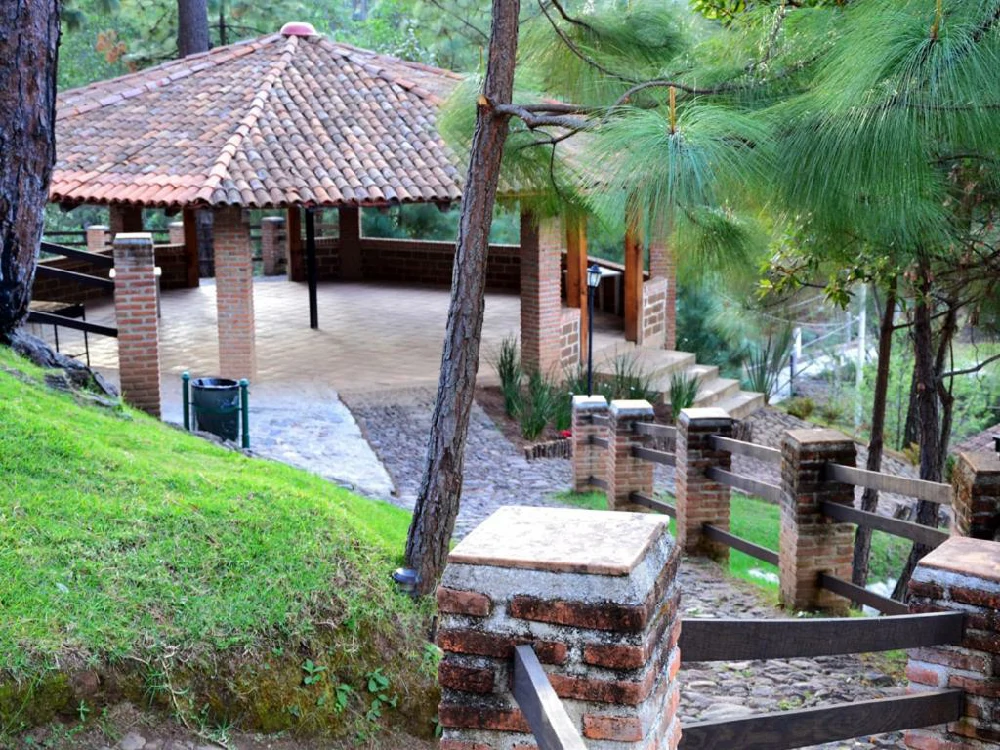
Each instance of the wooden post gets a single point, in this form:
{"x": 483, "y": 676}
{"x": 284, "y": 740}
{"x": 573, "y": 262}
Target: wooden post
{"x": 296, "y": 264}
{"x": 576, "y": 273}
{"x": 633, "y": 278}
{"x": 191, "y": 247}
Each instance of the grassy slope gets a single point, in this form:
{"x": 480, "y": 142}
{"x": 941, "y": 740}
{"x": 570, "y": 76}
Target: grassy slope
{"x": 121, "y": 537}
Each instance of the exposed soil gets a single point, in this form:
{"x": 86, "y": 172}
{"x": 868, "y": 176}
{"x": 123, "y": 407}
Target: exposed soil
{"x": 490, "y": 399}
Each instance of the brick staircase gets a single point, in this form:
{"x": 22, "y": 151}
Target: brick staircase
{"x": 661, "y": 364}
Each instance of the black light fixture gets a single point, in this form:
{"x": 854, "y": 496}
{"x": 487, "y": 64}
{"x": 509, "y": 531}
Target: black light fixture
{"x": 406, "y": 580}
{"x": 996, "y": 443}
{"x": 594, "y": 274}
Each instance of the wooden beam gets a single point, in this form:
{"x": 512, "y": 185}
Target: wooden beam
{"x": 806, "y": 638}
{"x": 739, "y": 544}
{"x": 544, "y": 712}
{"x": 932, "y": 492}
{"x": 296, "y": 264}
{"x": 191, "y": 247}
{"x": 576, "y": 274}
{"x": 633, "y": 279}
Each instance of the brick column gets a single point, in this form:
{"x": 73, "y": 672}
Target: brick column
{"x": 272, "y": 245}
{"x": 663, "y": 265}
{"x": 625, "y": 473}
{"x": 176, "y": 230}
{"x": 234, "y": 293}
{"x": 962, "y": 575}
{"x": 541, "y": 297}
{"x": 349, "y": 227}
{"x": 589, "y": 460}
{"x": 653, "y": 314}
{"x": 976, "y": 485}
{"x": 699, "y": 499}
{"x": 602, "y": 618}
{"x": 124, "y": 219}
{"x": 97, "y": 238}
{"x": 135, "y": 312}
{"x": 811, "y": 543}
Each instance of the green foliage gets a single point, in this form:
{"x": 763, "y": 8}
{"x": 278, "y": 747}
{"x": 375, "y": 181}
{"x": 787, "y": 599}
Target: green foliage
{"x": 767, "y": 360}
{"x": 683, "y": 391}
{"x": 702, "y": 328}
{"x": 800, "y": 406}
{"x": 538, "y": 406}
{"x": 627, "y": 380}
{"x": 508, "y": 366}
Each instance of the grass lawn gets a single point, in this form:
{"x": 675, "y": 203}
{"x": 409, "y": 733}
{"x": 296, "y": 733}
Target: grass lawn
{"x": 129, "y": 545}
{"x": 760, "y": 522}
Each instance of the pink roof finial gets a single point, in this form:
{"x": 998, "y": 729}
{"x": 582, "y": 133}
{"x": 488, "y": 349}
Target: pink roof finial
{"x": 298, "y": 28}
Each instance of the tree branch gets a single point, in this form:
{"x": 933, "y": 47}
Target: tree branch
{"x": 969, "y": 370}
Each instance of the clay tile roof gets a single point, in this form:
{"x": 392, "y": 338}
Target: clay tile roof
{"x": 268, "y": 123}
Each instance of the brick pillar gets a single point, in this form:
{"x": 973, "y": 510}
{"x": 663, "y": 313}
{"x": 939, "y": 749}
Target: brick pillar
{"x": 976, "y": 485}
{"x": 589, "y": 460}
{"x": 653, "y": 314}
{"x": 124, "y": 219}
{"x": 541, "y": 296}
{"x": 603, "y": 620}
{"x": 960, "y": 576}
{"x": 176, "y": 230}
{"x": 349, "y": 228}
{"x": 234, "y": 293}
{"x": 699, "y": 499}
{"x": 272, "y": 244}
{"x": 810, "y": 542}
{"x": 135, "y": 312}
{"x": 97, "y": 238}
{"x": 663, "y": 265}
{"x": 625, "y": 473}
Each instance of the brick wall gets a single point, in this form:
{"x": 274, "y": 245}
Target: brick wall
{"x": 136, "y": 317}
{"x": 625, "y": 473}
{"x": 588, "y": 460}
{"x": 234, "y": 294}
{"x": 810, "y": 543}
{"x": 960, "y": 576}
{"x": 172, "y": 260}
{"x": 663, "y": 265}
{"x": 701, "y": 500}
{"x": 541, "y": 295}
{"x": 606, "y": 632}
{"x": 976, "y": 483}
{"x": 653, "y": 314}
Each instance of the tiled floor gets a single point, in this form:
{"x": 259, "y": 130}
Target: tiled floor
{"x": 371, "y": 336}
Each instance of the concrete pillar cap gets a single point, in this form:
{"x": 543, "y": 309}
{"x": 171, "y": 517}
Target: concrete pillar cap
{"x": 631, "y": 407}
{"x": 589, "y": 403}
{"x": 133, "y": 238}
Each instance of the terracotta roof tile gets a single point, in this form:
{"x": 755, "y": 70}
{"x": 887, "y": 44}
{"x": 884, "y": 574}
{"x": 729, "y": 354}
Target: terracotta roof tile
{"x": 276, "y": 121}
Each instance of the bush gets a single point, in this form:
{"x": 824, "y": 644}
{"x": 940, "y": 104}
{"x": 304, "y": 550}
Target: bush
{"x": 628, "y": 380}
{"x": 538, "y": 406}
{"x": 800, "y": 406}
{"x": 683, "y": 392}
{"x": 508, "y": 367}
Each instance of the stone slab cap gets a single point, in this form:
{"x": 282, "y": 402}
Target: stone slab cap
{"x": 133, "y": 238}
{"x": 561, "y": 540}
{"x": 809, "y": 437}
{"x": 976, "y": 558}
{"x": 589, "y": 403}
{"x": 631, "y": 407}
{"x": 980, "y": 461}
{"x": 705, "y": 414}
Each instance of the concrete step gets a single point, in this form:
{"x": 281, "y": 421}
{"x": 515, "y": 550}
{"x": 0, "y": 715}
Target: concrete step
{"x": 654, "y": 363}
{"x": 702, "y": 373}
{"x": 716, "y": 390}
{"x": 742, "y": 405}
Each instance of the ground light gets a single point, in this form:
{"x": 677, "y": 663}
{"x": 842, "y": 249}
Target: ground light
{"x": 594, "y": 274}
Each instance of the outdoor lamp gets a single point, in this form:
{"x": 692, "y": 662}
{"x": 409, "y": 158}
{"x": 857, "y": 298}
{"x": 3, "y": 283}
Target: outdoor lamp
{"x": 594, "y": 274}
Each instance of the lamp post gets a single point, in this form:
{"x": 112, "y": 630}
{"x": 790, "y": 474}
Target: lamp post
{"x": 593, "y": 281}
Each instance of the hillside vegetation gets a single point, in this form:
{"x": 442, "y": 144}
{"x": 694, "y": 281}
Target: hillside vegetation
{"x": 140, "y": 563}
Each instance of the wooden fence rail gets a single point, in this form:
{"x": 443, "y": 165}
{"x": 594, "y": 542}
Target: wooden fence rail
{"x": 908, "y": 530}
{"x": 653, "y": 504}
{"x": 654, "y": 456}
{"x": 767, "y": 491}
{"x": 860, "y": 595}
{"x": 921, "y": 489}
{"x": 738, "y": 640}
{"x": 790, "y": 729}
{"x": 742, "y": 448}
{"x": 97, "y": 259}
{"x": 540, "y": 705}
{"x": 738, "y": 543}
{"x": 661, "y": 431}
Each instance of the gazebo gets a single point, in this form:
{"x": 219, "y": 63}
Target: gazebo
{"x": 296, "y": 122}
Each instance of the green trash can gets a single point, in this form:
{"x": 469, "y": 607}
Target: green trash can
{"x": 215, "y": 404}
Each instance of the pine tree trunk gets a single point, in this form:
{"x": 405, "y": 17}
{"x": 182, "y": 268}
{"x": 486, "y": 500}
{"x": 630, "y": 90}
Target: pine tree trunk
{"x": 441, "y": 487}
{"x": 876, "y": 442}
{"x": 29, "y": 50}
{"x": 192, "y": 27}
{"x": 928, "y": 416}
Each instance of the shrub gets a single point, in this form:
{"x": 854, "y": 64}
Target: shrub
{"x": 628, "y": 380}
{"x": 538, "y": 406}
{"x": 508, "y": 367}
{"x": 800, "y": 406}
{"x": 683, "y": 392}
{"x": 766, "y": 361}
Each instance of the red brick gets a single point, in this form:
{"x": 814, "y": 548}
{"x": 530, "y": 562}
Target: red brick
{"x": 468, "y": 679}
{"x": 455, "y": 602}
{"x": 467, "y": 641}
{"x": 604, "y": 616}
{"x": 455, "y": 716}
{"x": 617, "y": 728}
